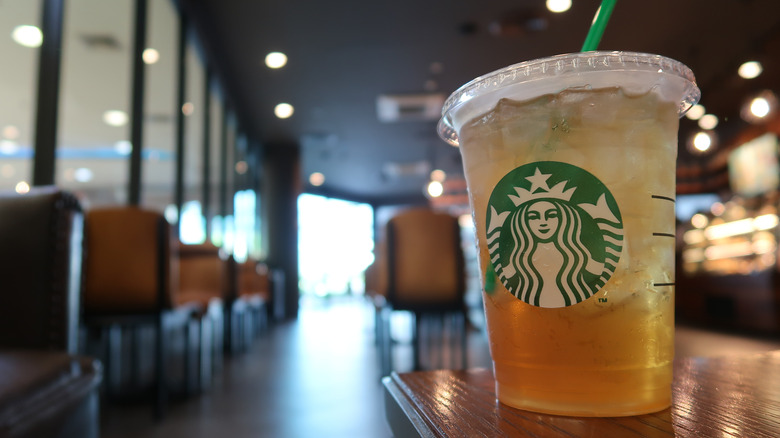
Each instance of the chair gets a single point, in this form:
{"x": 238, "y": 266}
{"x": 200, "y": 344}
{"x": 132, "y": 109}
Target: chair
{"x": 421, "y": 270}
{"x": 204, "y": 277}
{"x": 254, "y": 288}
{"x": 129, "y": 287}
{"x": 208, "y": 274}
{"x": 46, "y": 389}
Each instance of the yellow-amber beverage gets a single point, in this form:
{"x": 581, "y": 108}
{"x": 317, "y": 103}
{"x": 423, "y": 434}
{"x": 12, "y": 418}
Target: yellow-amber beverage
{"x": 570, "y": 163}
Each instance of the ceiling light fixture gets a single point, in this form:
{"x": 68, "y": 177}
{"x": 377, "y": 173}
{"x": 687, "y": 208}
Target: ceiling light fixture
{"x": 275, "y": 60}
{"x": 708, "y": 121}
{"x": 123, "y": 147}
{"x": 316, "y": 179}
{"x": 115, "y": 118}
{"x": 284, "y": 110}
{"x": 11, "y": 132}
{"x": 759, "y": 108}
{"x": 27, "y": 36}
{"x": 438, "y": 175}
{"x": 8, "y": 147}
{"x": 22, "y": 187}
{"x": 696, "y": 112}
{"x": 435, "y": 189}
{"x": 83, "y": 174}
{"x": 702, "y": 142}
{"x": 750, "y": 69}
{"x": 151, "y": 56}
{"x": 558, "y": 5}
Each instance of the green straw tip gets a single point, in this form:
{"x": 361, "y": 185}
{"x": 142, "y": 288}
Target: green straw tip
{"x": 598, "y": 25}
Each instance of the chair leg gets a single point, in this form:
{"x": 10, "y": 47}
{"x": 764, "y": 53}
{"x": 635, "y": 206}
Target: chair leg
{"x": 114, "y": 357}
{"x": 205, "y": 348}
{"x": 385, "y": 341}
{"x": 464, "y": 332}
{"x": 417, "y": 325}
{"x": 161, "y": 389}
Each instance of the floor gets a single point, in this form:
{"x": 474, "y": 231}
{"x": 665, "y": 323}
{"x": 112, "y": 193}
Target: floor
{"x": 319, "y": 376}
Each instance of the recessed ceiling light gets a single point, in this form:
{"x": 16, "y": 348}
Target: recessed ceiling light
{"x": 275, "y": 60}
{"x": 759, "y": 107}
{"x": 284, "y": 110}
{"x": 702, "y": 141}
{"x": 750, "y": 69}
{"x": 151, "y": 56}
{"x": 316, "y": 179}
{"x": 11, "y": 132}
{"x": 708, "y": 121}
{"x": 83, "y": 174}
{"x": 8, "y": 147}
{"x": 22, "y": 187}
{"x": 558, "y": 5}
{"x": 435, "y": 189}
{"x": 696, "y": 112}
{"x": 28, "y": 36}
{"x": 123, "y": 147}
{"x": 115, "y": 118}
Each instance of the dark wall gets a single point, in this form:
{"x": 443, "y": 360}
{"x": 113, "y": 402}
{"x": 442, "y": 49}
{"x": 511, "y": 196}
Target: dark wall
{"x": 280, "y": 189}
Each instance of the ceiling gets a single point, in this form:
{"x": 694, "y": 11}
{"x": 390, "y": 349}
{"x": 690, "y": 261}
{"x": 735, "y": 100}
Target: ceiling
{"x": 344, "y": 54}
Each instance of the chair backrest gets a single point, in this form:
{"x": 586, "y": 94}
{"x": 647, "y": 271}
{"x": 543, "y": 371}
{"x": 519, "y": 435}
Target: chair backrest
{"x": 253, "y": 279}
{"x": 128, "y": 261}
{"x": 425, "y": 267}
{"x": 41, "y": 238}
{"x": 205, "y": 272}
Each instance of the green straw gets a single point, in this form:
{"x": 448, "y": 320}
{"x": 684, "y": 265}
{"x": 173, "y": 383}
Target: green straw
{"x": 598, "y": 25}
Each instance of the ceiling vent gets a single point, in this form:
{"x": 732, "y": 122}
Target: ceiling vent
{"x": 99, "y": 41}
{"x": 392, "y": 108}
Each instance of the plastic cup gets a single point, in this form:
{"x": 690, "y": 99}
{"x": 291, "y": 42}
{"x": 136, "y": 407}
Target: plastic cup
{"x": 570, "y": 164}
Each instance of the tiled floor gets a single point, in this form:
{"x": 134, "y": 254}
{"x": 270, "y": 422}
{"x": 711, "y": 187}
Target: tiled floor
{"x": 319, "y": 377}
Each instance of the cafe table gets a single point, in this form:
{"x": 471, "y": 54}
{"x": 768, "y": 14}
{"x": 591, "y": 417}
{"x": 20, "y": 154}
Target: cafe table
{"x": 726, "y": 396}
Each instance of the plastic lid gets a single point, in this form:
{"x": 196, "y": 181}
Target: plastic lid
{"x": 671, "y": 79}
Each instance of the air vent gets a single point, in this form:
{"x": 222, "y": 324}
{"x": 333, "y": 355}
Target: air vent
{"x": 101, "y": 41}
{"x": 392, "y": 108}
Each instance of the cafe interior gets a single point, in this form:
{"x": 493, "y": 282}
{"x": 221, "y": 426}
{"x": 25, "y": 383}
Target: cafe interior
{"x": 196, "y": 198}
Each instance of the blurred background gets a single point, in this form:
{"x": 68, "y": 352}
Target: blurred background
{"x": 291, "y": 132}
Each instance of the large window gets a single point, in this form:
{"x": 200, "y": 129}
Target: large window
{"x": 192, "y": 226}
{"x": 160, "y": 106}
{"x": 94, "y": 121}
{"x": 19, "y": 41}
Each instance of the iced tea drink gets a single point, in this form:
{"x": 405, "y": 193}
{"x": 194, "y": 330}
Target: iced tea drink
{"x": 570, "y": 163}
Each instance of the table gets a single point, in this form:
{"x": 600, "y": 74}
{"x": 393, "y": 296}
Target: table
{"x": 729, "y": 396}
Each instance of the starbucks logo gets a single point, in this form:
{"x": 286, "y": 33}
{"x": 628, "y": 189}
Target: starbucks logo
{"x": 554, "y": 233}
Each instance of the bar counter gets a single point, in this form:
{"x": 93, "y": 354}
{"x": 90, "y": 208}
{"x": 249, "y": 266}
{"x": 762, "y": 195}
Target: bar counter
{"x": 728, "y": 396}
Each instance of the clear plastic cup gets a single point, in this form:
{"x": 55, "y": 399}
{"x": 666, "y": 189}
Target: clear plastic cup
{"x": 570, "y": 164}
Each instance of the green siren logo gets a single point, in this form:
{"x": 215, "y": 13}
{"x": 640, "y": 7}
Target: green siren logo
{"x": 553, "y": 246}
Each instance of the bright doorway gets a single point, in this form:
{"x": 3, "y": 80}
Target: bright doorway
{"x": 335, "y": 245}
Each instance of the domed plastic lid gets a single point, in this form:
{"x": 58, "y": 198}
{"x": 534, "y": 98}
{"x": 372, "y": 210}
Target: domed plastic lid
{"x": 634, "y": 72}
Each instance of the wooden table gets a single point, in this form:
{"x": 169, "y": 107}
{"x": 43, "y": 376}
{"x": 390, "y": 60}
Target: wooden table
{"x": 730, "y": 396}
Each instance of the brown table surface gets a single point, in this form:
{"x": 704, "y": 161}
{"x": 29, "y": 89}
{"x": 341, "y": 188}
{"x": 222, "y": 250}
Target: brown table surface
{"x": 729, "y": 396}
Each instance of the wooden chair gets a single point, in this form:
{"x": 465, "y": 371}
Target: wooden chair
{"x": 422, "y": 272}
{"x": 130, "y": 282}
